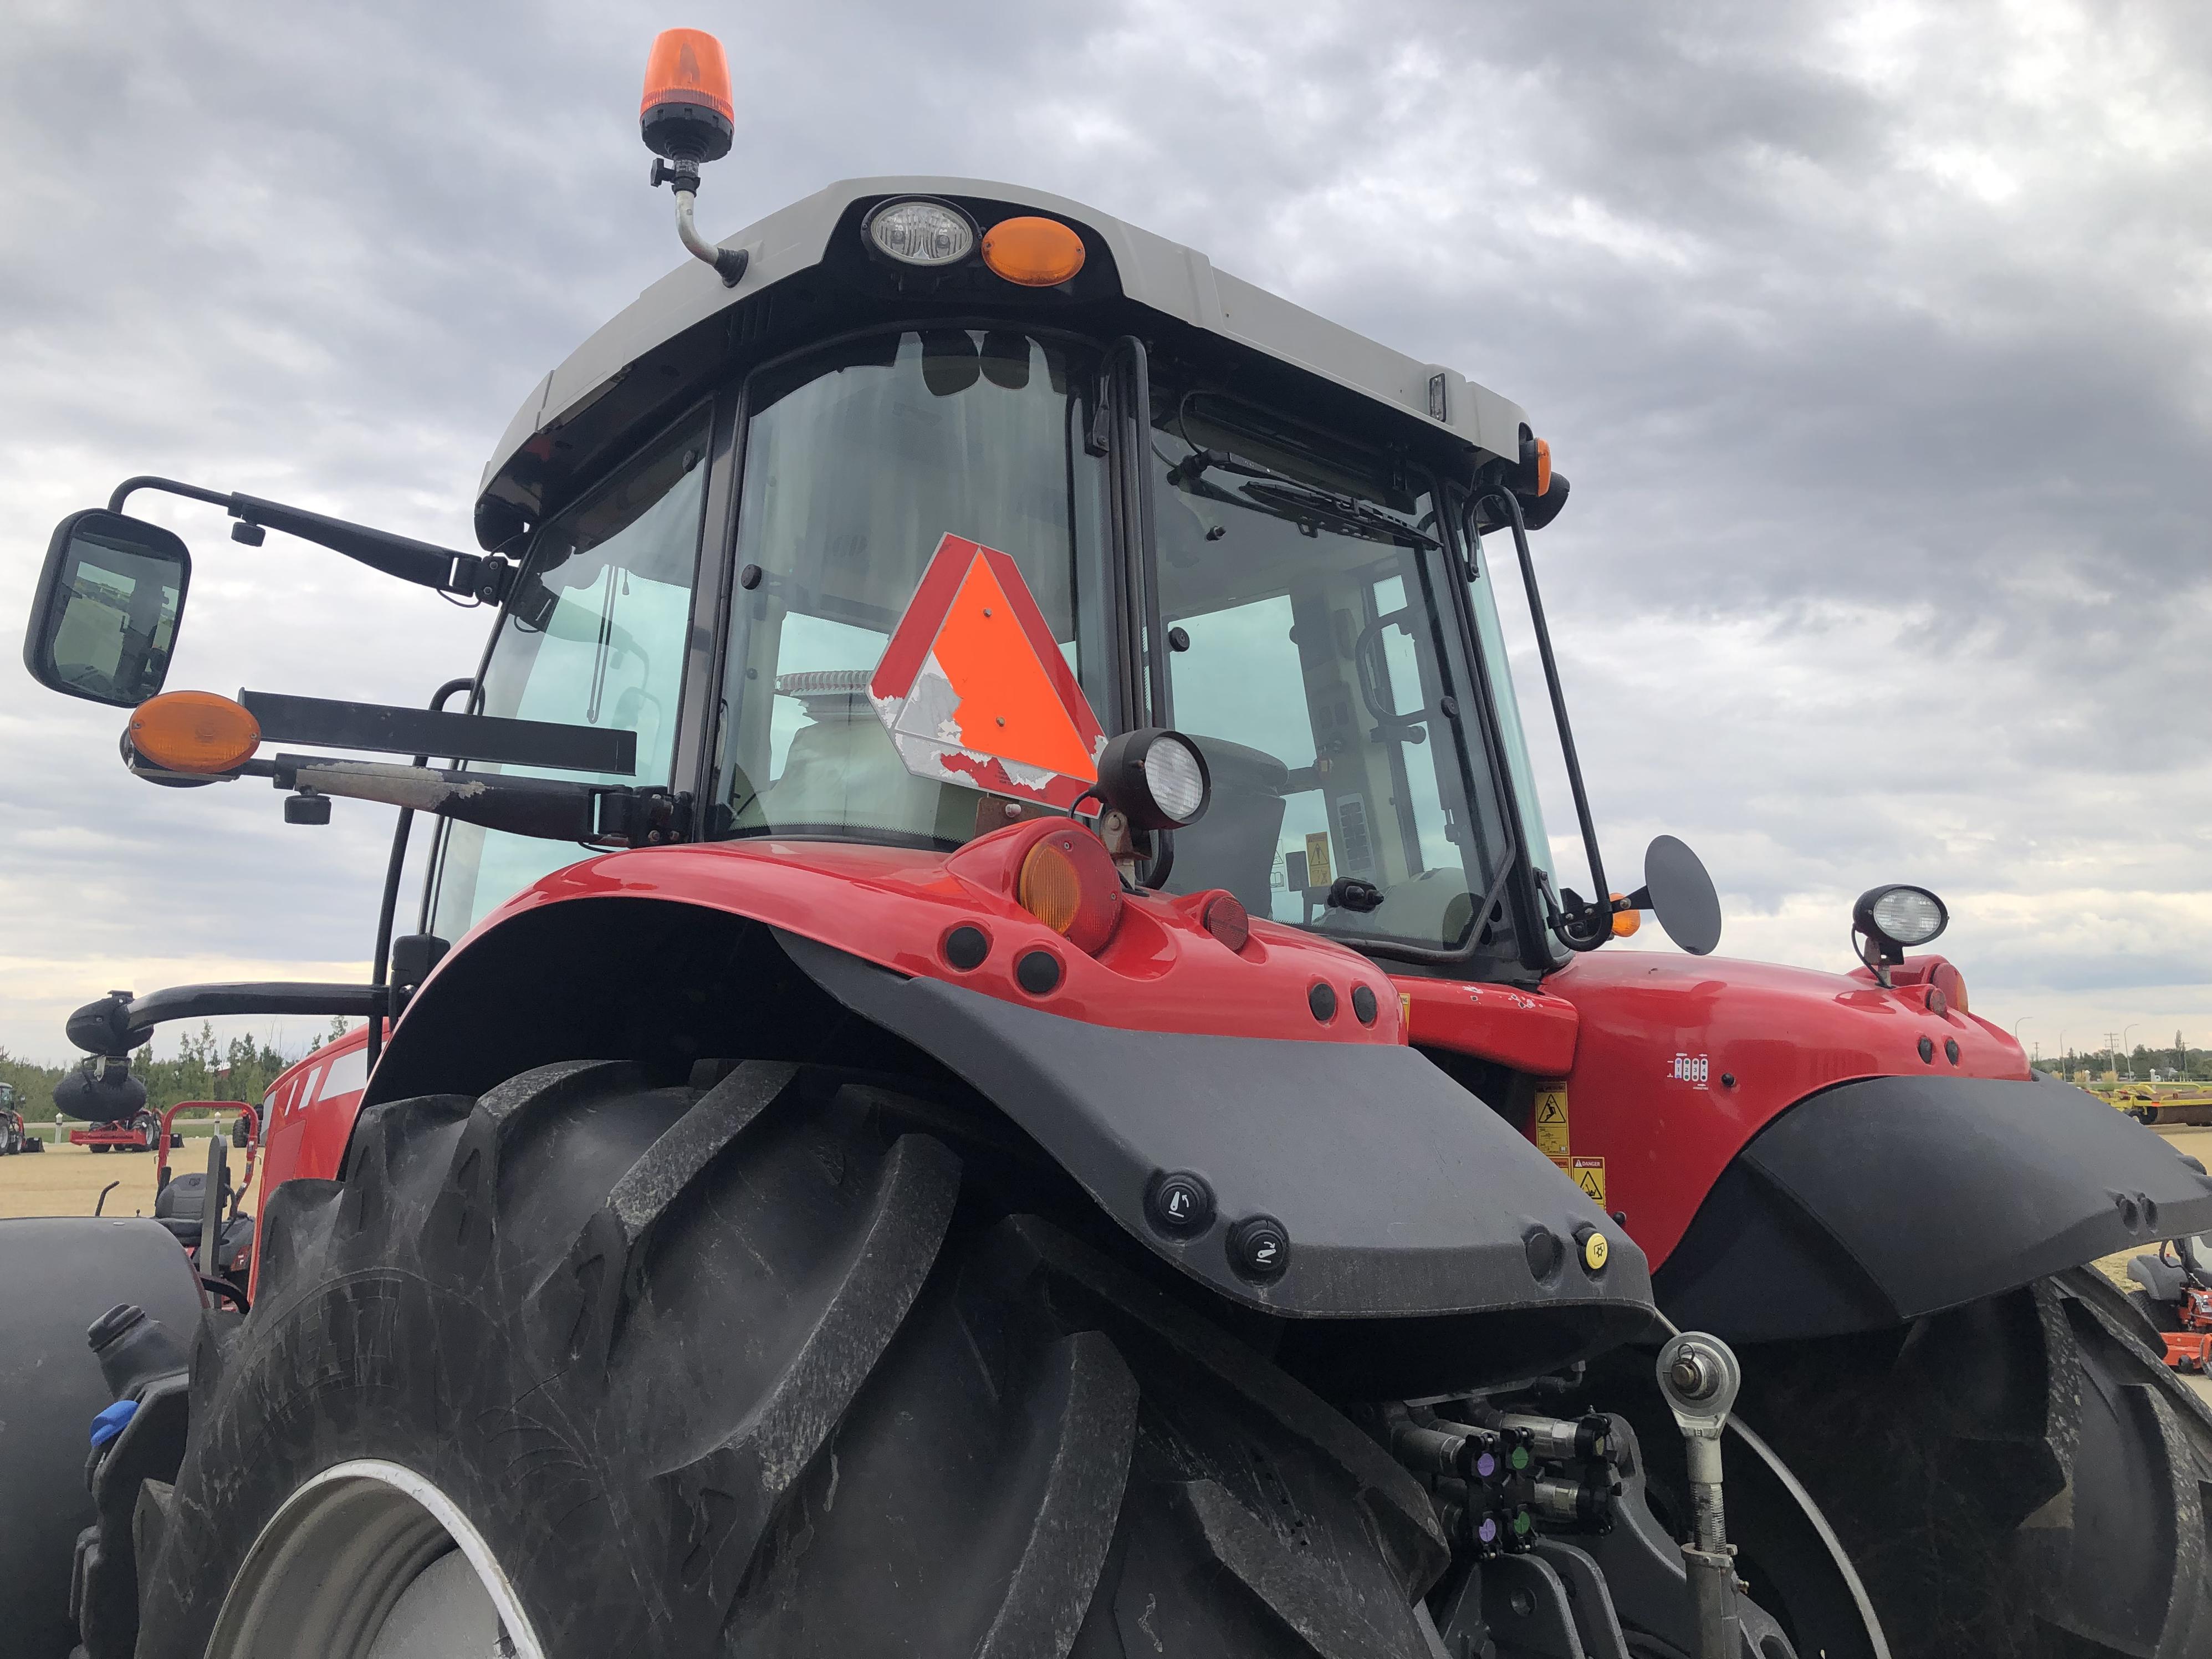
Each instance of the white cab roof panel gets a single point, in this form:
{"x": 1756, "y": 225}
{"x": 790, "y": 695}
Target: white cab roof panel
{"x": 1168, "y": 277}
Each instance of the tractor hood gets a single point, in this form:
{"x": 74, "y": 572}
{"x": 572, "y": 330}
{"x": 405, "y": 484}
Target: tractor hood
{"x": 1680, "y": 1062}
{"x": 1786, "y": 1030}
{"x": 807, "y": 277}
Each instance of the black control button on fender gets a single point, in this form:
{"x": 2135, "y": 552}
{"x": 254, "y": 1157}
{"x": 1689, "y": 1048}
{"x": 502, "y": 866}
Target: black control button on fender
{"x": 1260, "y": 1249}
{"x": 1179, "y": 1203}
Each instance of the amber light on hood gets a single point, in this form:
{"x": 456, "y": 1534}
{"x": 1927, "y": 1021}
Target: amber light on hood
{"x": 1068, "y": 882}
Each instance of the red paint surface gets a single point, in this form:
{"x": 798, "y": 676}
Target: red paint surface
{"x": 1161, "y": 972}
{"x": 308, "y": 1125}
{"x": 1611, "y": 1024}
{"x": 1782, "y": 1033}
{"x": 1528, "y": 1031}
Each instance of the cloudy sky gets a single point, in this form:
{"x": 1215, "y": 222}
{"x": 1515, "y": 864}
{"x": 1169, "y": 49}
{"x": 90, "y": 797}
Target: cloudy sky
{"x": 1877, "y": 340}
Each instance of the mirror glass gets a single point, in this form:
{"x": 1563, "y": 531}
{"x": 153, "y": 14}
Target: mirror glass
{"x": 1683, "y": 896}
{"x": 109, "y": 601}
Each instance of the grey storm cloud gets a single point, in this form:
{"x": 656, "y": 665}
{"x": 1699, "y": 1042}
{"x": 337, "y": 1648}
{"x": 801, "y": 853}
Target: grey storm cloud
{"x": 1874, "y": 338}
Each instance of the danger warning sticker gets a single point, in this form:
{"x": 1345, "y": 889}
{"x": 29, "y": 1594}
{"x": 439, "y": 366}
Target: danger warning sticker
{"x": 1317, "y": 871}
{"x": 1587, "y": 1173}
{"x": 1551, "y": 1120}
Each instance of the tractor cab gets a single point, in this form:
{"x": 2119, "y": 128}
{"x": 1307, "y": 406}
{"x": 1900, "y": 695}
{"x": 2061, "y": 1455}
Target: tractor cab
{"x": 1291, "y": 598}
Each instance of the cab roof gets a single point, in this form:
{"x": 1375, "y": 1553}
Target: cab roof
{"x": 1176, "y": 281}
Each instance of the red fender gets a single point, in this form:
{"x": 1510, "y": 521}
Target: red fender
{"x": 1664, "y": 1067}
{"x": 1161, "y": 970}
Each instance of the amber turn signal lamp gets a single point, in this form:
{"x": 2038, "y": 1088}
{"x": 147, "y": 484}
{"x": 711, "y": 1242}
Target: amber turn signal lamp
{"x": 1068, "y": 882}
{"x": 194, "y": 732}
{"x": 686, "y": 114}
{"x": 1626, "y": 922}
{"x": 1543, "y": 466}
{"x": 1951, "y": 983}
{"x": 1035, "y": 253}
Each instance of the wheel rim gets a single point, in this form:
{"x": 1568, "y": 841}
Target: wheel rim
{"x": 370, "y": 1560}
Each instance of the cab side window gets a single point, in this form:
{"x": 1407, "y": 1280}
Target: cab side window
{"x": 595, "y": 635}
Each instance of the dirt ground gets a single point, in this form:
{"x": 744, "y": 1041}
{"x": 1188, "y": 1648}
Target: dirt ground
{"x": 67, "y": 1180}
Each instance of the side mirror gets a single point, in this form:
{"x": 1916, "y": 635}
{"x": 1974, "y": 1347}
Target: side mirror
{"x": 103, "y": 620}
{"x": 1677, "y": 889}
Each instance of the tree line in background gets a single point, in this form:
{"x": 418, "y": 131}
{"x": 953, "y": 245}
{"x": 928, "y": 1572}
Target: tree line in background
{"x": 2143, "y": 1062}
{"x": 202, "y": 1069}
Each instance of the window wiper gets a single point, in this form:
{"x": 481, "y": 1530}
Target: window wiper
{"x": 1353, "y": 516}
{"x": 1274, "y": 491}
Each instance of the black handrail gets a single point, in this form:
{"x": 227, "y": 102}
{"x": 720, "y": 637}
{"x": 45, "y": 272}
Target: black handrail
{"x": 1597, "y": 914}
{"x": 1144, "y": 661}
{"x": 388, "y": 908}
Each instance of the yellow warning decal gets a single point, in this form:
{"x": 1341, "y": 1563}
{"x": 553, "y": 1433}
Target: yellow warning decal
{"x": 1405, "y": 1013}
{"x": 1589, "y": 1174}
{"x": 1317, "y": 873}
{"x": 1551, "y": 1121}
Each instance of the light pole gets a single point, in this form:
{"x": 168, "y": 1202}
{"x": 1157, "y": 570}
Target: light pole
{"x": 2127, "y": 1031}
{"x": 2065, "y": 1054}
{"x": 2016, "y": 1024}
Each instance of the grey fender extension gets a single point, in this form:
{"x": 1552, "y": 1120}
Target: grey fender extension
{"x": 1878, "y": 1201}
{"x": 1406, "y": 1200}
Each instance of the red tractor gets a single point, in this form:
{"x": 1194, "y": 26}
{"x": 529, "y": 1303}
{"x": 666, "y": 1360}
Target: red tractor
{"x": 101, "y": 1090}
{"x": 1069, "y": 1110}
{"x": 16, "y": 1135}
{"x": 2175, "y": 1294}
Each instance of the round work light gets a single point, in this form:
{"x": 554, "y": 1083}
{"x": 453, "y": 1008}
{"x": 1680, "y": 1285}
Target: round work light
{"x": 1901, "y": 916}
{"x": 1155, "y": 778}
{"x": 920, "y": 232}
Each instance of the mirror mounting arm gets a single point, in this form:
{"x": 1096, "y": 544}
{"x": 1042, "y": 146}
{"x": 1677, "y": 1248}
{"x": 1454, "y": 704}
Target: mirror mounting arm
{"x": 485, "y": 578}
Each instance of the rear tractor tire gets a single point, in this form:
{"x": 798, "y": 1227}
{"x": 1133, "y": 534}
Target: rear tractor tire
{"x": 2019, "y": 1476}
{"x": 588, "y": 1366}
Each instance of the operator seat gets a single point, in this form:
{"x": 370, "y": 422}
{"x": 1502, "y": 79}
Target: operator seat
{"x": 841, "y": 769}
{"x": 181, "y": 1206}
{"x": 1234, "y": 845}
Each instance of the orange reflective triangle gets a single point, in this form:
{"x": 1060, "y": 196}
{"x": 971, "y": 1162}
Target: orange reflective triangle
{"x": 974, "y": 690}
{"x": 1008, "y": 704}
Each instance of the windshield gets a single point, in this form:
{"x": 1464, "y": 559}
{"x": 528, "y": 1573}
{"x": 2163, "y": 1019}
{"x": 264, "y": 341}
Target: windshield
{"x": 1302, "y": 589}
{"x": 857, "y": 461}
{"x": 595, "y": 636}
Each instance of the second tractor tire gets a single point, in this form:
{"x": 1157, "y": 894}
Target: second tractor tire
{"x": 2021, "y": 1476}
{"x": 753, "y": 1368}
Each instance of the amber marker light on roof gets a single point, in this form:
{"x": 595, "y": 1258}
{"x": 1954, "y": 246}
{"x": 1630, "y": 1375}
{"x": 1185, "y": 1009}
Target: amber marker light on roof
{"x": 194, "y": 732}
{"x": 1035, "y": 253}
{"x": 1543, "y": 466}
